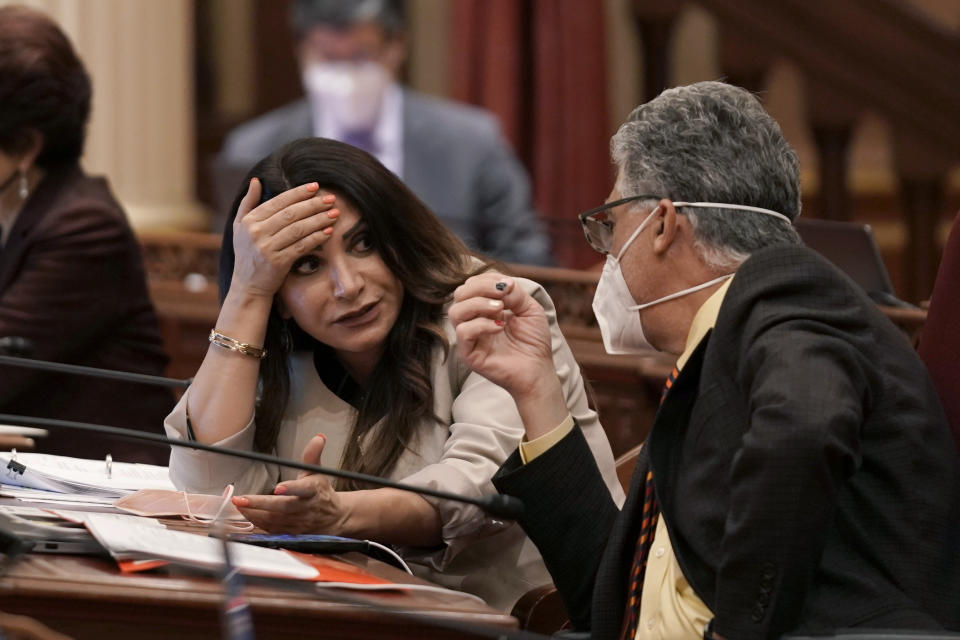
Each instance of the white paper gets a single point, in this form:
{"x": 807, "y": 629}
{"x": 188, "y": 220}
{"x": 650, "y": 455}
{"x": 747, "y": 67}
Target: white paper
{"x": 39, "y": 495}
{"x": 27, "y": 432}
{"x": 128, "y": 536}
{"x": 81, "y": 476}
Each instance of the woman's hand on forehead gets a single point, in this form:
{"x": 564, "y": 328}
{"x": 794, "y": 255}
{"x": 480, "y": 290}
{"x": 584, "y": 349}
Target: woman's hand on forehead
{"x": 268, "y": 237}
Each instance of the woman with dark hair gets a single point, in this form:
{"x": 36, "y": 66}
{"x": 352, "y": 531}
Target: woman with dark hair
{"x": 335, "y": 281}
{"x": 72, "y": 284}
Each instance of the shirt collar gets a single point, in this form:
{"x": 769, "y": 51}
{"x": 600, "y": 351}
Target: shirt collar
{"x": 703, "y": 321}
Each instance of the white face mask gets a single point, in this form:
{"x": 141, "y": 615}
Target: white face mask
{"x": 613, "y": 304}
{"x": 351, "y": 92}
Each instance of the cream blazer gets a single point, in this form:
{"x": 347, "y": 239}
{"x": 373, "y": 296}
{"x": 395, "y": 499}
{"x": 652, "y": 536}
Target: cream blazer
{"x": 480, "y": 428}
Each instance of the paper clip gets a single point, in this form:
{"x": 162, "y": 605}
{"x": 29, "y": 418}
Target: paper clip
{"x": 109, "y": 462}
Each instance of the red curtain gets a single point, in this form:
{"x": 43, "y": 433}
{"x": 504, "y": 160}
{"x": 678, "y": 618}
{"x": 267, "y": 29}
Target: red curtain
{"x": 540, "y": 66}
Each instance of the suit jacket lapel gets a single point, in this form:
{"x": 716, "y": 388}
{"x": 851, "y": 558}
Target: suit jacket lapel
{"x": 609, "y": 599}
{"x": 610, "y": 586}
{"x": 671, "y": 424}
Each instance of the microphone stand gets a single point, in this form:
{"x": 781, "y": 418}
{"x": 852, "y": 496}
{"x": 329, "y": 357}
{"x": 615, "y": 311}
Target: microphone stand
{"x": 235, "y": 619}
{"x": 495, "y": 505}
{"x": 94, "y": 372}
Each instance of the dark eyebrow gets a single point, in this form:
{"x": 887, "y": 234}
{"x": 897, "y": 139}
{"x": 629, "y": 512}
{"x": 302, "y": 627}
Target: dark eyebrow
{"x": 360, "y": 226}
{"x": 354, "y": 229}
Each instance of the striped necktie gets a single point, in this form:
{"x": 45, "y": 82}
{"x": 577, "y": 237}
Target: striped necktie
{"x": 648, "y": 525}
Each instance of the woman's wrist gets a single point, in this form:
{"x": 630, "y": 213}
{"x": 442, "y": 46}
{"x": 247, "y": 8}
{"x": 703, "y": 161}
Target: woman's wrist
{"x": 248, "y": 299}
{"x": 388, "y": 515}
{"x": 243, "y": 316}
{"x": 348, "y": 524}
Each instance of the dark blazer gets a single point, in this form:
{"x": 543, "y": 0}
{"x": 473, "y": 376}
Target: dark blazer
{"x": 455, "y": 159}
{"x": 803, "y": 465}
{"x": 72, "y": 282}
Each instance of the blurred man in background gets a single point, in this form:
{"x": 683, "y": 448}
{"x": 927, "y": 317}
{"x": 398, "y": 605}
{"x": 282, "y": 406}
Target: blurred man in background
{"x": 454, "y": 157}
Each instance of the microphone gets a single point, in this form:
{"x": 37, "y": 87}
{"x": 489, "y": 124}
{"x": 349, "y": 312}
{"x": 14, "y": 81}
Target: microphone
{"x": 498, "y": 505}
{"x": 14, "y": 345}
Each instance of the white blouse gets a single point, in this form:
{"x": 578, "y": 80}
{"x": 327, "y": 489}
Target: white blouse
{"x": 480, "y": 427}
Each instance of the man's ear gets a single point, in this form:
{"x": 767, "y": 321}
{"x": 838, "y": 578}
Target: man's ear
{"x": 665, "y": 226}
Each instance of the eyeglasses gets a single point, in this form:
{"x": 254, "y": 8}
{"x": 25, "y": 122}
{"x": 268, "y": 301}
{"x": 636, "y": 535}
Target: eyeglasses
{"x": 597, "y": 225}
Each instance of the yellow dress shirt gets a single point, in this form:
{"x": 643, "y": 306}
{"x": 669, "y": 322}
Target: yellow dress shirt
{"x": 669, "y": 608}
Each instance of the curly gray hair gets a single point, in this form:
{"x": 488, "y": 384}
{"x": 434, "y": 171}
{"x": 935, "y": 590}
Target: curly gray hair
{"x": 713, "y": 142}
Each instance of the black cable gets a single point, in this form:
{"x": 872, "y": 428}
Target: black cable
{"x": 94, "y": 372}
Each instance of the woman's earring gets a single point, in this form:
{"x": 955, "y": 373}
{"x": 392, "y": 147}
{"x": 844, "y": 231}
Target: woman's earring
{"x": 24, "y": 185}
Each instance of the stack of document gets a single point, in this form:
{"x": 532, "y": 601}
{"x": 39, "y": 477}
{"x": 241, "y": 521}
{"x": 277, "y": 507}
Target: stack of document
{"x": 77, "y": 476}
{"x": 129, "y": 538}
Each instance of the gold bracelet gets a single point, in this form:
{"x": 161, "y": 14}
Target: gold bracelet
{"x": 232, "y": 344}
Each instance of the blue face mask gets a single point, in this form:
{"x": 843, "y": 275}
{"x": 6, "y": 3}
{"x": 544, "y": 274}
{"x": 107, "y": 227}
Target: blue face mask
{"x": 613, "y": 304}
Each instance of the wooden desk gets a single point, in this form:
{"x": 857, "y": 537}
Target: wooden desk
{"x": 87, "y": 598}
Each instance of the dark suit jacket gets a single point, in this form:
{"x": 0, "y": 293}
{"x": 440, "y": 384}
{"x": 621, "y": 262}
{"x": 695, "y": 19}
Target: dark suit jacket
{"x": 72, "y": 282}
{"x": 803, "y": 466}
{"x": 454, "y": 158}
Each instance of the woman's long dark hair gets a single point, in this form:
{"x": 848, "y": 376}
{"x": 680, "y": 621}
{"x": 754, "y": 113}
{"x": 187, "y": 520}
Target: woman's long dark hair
{"x": 424, "y": 255}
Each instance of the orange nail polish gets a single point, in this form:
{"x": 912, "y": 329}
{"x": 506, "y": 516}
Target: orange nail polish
{"x": 280, "y": 490}
{"x": 328, "y": 231}
{"x": 313, "y": 186}
{"x": 333, "y": 213}
{"x": 329, "y": 198}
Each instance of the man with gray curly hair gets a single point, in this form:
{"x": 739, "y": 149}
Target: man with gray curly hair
{"x": 799, "y": 476}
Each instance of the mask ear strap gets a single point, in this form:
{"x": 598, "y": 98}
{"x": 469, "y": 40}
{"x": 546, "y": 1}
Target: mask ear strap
{"x": 737, "y": 207}
{"x": 678, "y": 294}
{"x": 636, "y": 232}
{"x": 227, "y": 494}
